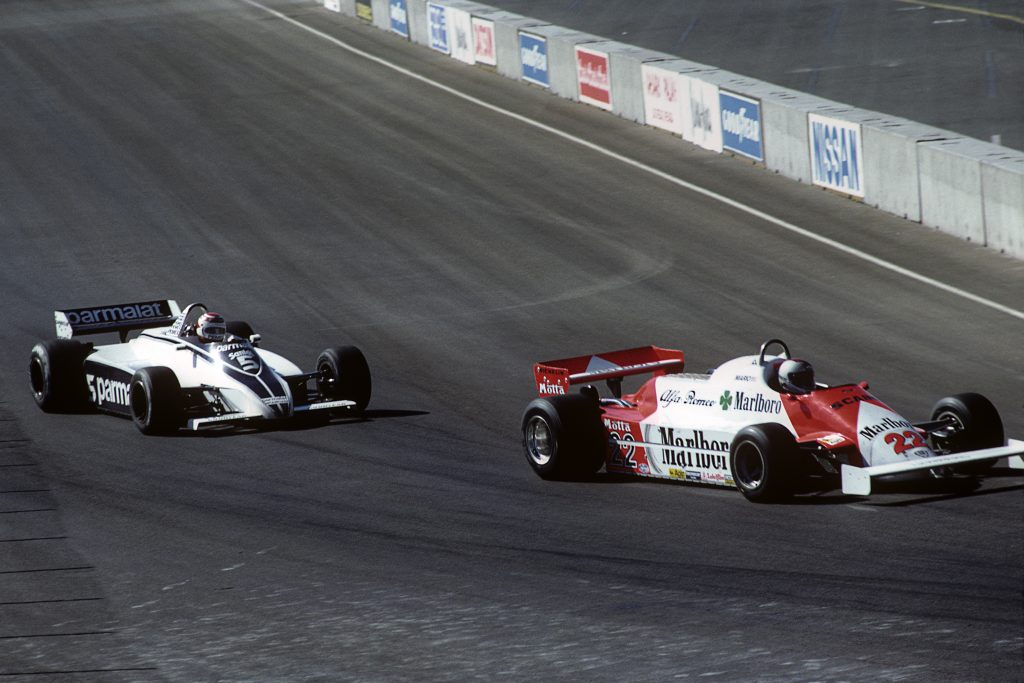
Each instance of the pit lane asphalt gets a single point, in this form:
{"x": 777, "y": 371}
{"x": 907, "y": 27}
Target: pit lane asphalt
{"x": 222, "y": 155}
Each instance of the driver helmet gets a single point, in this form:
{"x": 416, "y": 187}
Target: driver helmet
{"x": 211, "y": 328}
{"x": 796, "y": 376}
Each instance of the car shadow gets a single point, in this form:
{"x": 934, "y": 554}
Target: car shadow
{"x": 300, "y": 424}
{"x": 828, "y": 490}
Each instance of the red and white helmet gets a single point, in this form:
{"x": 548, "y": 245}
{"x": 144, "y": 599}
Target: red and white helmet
{"x": 211, "y": 328}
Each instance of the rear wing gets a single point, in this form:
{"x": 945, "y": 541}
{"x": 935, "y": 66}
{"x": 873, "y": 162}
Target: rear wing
{"x": 554, "y": 377}
{"x": 120, "y": 318}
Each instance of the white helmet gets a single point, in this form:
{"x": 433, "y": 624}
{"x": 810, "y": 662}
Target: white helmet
{"x": 211, "y": 328}
{"x": 796, "y": 376}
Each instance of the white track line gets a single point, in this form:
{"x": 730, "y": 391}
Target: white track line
{"x": 839, "y": 246}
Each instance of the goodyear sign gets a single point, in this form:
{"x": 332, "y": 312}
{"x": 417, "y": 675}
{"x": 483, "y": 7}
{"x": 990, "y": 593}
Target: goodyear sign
{"x": 741, "y": 125}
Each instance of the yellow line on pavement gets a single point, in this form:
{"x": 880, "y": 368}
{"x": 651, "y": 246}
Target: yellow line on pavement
{"x": 967, "y": 10}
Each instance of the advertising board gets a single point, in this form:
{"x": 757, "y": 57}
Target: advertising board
{"x": 741, "y": 125}
{"x": 836, "y": 154}
{"x": 533, "y": 55}
{"x": 662, "y": 99}
{"x": 399, "y": 13}
{"x": 364, "y": 10}
{"x": 593, "y": 77}
{"x": 460, "y": 31}
{"x": 702, "y": 122}
{"x": 484, "y": 48}
{"x": 437, "y": 20}
{"x": 333, "y": 5}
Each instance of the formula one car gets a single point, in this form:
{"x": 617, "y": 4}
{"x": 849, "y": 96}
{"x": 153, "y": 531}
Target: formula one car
{"x": 759, "y": 423}
{"x": 186, "y": 368}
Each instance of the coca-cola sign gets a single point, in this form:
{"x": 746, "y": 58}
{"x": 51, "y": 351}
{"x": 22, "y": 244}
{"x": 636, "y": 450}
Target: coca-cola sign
{"x": 594, "y": 76}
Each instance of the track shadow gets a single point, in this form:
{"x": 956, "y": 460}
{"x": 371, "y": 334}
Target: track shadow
{"x": 827, "y": 490}
{"x": 300, "y": 424}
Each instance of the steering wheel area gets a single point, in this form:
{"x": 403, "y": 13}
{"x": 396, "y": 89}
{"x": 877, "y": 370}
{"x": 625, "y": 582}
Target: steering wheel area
{"x": 768, "y": 344}
{"x": 189, "y": 317}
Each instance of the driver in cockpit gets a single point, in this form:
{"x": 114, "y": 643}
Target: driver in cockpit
{"x": 796, "y": 376}
{"x": 211, "y": 328}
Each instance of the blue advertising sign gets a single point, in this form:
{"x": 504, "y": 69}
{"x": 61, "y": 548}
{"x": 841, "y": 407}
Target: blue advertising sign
{"x": 741, "y": 125}
{"x": 836, "y": 154}
{"x": 533, "y": 55}
{"x": 437, "y": 17}
{"x": 399, "y": 12}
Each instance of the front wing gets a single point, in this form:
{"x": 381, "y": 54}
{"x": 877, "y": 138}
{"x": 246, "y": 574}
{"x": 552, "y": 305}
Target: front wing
{"x": 198, "y": 423}
{"x": 857, "y": 480}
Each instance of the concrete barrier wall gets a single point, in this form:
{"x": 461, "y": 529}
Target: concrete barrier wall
{"x": 1002, "y": 189}
{"x": 506, "y": 35}
{"x": 381, "y": 14}
{"x": 966, "y": 187}
{"x": 562, "y": 44}
{"x": 419, "y": 27}
{"x": 627, "y": 83}
{"x": 891, "y": 164}
{"x": 950, "y": 172}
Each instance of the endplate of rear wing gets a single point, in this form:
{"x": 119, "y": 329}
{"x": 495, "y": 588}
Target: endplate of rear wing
{"x": 554, "y": 377}
{"x": 120, "y": 318}
{"x": 857, "y": 480}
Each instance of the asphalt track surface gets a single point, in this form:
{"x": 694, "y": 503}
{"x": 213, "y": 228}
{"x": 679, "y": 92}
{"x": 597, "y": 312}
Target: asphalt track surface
{"x": 220, "y": 153}
{"x": 957, "y": 65}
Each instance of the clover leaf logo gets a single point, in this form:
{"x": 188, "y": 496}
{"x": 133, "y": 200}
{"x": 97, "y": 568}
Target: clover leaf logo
{"x": 726, "y": 400}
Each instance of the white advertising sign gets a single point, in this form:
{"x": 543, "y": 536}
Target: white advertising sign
{"x": 702, "y": 117}
{"x": 460, "y": 28}
{"x": 333, "y": 5}
{"x": 663, "y": 100}
{"x": 836, "y": 154}
{"x": 484, "y": 48}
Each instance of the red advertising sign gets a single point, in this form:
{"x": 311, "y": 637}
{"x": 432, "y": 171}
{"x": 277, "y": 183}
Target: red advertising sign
{"x": 483, "y": 41}
{"x": 594, "y": 76}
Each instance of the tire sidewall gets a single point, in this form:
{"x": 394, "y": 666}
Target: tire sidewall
{"x": 351, "y": 373}
{"x": 769, "y": 448}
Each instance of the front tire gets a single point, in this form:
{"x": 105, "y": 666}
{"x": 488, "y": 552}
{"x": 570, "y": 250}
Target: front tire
{"x": 343, "y": 374}
{"x": 563, "y": 437}
{"x": 977, "y": 425}
{"x": 57, "y": 376}
{"x": 156, "y": 401}
{"x": 761, "y": 459}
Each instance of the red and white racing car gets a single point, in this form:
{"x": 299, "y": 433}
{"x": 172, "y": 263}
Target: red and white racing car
{"x": 759, "y": 423}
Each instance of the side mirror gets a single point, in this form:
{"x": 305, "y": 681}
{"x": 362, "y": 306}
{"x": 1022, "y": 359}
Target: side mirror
{"x": 863, "y": 385}
{"x": 254, "y": 339}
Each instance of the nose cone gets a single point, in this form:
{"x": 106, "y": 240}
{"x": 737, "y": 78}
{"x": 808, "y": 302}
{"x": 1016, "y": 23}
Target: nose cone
{"x": 886, "y": 437}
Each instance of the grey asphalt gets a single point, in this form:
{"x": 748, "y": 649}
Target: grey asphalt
{"x": 217, "y": 153}
{"x": 957, "y": 70}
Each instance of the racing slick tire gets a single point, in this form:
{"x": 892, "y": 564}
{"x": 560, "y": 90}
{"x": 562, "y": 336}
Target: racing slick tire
{"x": 563, "y": 437}
{"x": 57, "y": 375}
{"x": 978, "y": 426}
{"x": 239, "y": 328}
{"x": 343, "y": 374}
{"x": 761, "y": 459}
{"x": 156, "y": 401}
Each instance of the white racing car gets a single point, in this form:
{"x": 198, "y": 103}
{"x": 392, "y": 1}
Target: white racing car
{"x": 186, "y": 368}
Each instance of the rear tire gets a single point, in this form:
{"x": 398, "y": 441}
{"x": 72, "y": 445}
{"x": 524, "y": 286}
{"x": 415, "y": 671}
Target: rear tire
{"x": 563, "y": 437}
{"x": 156, "y": 401}
{"x": 761, "y": 459}
{"x": 57, "y": 375}
{"x": 978, "y": 426}
{"x": 344, "y": 375}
